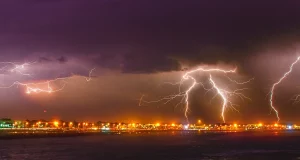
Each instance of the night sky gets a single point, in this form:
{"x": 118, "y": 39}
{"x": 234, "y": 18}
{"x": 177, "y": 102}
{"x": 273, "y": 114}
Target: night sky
{"x": 136, "y": 46}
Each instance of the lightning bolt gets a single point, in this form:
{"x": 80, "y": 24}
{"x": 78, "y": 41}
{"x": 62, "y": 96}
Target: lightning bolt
{"x": 276, "y": 84}
{"x": 13, "y": 67}
{"x": 224, "y": 94}
{"x": 141, "y": 100}
{"x": 296, "y": 99}
{"x": 35, "y": 87}
{"x": 89, "y": 78}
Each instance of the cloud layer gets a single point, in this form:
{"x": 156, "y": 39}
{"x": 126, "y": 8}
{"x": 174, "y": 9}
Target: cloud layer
{"x": 141, "y": 36}
{"x": 136, "y": 39}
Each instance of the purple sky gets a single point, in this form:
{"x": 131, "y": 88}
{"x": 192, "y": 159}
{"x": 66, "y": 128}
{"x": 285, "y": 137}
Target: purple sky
{"x": 137, "y": 45}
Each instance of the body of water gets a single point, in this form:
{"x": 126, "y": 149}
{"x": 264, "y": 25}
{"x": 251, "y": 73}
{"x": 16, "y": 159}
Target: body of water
{"x": 156, "y": 146}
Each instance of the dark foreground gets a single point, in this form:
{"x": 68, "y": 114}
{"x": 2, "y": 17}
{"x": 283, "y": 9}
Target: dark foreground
{"x": 156, "y": 146}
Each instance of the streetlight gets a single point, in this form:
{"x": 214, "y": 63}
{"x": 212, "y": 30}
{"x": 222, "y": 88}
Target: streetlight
{"x": 56, "y": 123}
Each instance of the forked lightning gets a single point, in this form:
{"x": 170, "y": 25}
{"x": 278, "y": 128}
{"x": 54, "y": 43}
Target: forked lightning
{"x": 276, "y": 84}
{"x": 39, "y": 87}
{"x": 222, "y": 92}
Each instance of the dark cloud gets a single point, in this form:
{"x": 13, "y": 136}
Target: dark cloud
{"x": 195, "y": 31}
{"x": 62, "y": 59}
{"x": 138, "y": 63}
{"x": 149, "y": 36}
{"x": 44, "y": 59}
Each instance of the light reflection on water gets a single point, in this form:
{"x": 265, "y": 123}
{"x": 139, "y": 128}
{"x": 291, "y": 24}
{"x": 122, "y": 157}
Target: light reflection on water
{"x": 156, "y": 145}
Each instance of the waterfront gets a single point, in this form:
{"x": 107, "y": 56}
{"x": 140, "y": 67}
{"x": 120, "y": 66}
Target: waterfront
{"x": 57, "y": 125}
{"x": 173, "y": 145}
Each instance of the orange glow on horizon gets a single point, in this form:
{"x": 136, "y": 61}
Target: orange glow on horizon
{"x": 56, "y": 123}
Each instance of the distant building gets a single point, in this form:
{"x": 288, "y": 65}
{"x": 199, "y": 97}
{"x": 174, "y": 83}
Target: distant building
{"x": 6, "y": 123}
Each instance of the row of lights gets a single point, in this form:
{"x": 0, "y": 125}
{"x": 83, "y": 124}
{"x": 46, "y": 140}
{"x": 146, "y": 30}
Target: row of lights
{"x": 56, "y": 123}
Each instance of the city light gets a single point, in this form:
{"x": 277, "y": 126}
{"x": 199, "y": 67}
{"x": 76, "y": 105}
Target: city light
{"x": 56, "y": 123}
{"x": 149, "y": 126}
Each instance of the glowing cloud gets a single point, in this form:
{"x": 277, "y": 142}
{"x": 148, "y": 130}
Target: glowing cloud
{"x": 39, "y": 87}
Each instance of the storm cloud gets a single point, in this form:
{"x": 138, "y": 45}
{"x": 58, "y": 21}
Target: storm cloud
{"x": 128, "y": 35}
{"x": 142, "y": 38}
